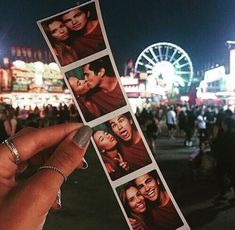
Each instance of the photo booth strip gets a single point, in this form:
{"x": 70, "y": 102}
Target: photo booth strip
{"x": 86, "y": 62}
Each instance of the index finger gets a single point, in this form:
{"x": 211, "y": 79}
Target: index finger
{"x": 30, "y": 141}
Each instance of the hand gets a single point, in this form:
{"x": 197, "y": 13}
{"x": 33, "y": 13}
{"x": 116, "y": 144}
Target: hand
{"x": 109, "y": 168}
{"x": 135, "y": 224}
{"x": 123, "y": 164}
{"x": 25, "y": 206}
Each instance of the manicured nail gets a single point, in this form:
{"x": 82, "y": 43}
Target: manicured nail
{"x": 83, "y": 136}
{"x": 58, "y": 199}
{"x": 85, "y": 164}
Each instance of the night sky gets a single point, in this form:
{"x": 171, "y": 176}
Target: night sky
{"x": 200, "y": 27}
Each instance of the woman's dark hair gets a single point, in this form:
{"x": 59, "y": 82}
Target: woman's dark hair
{"x": 123, "y": 197}
{"x": 45, "y": 26}
{"x": 63, "y": 50}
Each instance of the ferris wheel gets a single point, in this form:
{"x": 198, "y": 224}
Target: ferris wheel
{"x": 169, "y": 64}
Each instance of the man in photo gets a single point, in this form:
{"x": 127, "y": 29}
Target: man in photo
{"x": 97, "y": 88}
{"x": 130, "y": 142}
{"x": 100, "y": 77}
{"x": 86, "y": 34}
{"x": 160, "y": 207}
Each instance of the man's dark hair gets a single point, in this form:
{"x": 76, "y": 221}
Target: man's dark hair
{"x": 103, "y": 62}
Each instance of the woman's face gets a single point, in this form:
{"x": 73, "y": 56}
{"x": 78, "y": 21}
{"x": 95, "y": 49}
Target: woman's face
{"x": 104, "y": 140}
{"x": 75, "y": 19}
{"x": 135, "y": 200}
{"x": 80, "y": 87}
{"x": 58, "y": 31}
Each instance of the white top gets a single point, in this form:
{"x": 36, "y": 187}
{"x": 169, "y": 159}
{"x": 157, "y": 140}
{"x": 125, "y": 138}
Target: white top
{"x": 171, "y": 117}
{"x": 201, "y": 121}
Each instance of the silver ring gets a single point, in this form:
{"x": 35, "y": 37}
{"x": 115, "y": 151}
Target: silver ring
{"x": 54, "y": 169}
{"x": 85, "y": 164}
{"x": 13, "y": 150}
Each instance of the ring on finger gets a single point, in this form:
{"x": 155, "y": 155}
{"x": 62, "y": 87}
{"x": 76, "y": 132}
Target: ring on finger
{"x": 13, "y": 150}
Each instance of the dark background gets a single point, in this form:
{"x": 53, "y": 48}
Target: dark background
{"x": 200, "y": 27}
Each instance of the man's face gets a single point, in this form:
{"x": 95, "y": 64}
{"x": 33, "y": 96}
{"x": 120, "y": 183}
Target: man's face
{"x": 104, "y": 140}
{"x": 92, "y": 79}
{"x": 121, "y": 126}
{"x": 80, "y": 87}
{"x": 148, "y": 187}
{"x": 58, "y": 30}
{"x": 75, "y": 19}
{"x": 135, "y": 200}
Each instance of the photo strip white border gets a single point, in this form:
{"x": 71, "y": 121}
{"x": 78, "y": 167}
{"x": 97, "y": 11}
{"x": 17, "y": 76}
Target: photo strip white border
{"x": 104, "y": 118}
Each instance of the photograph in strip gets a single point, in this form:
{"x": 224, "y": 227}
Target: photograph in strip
{"x": 120, "y": 146}
{"x": 96, "y": 88}
{"x": 75, "y": 34}
{"x": 147, "y": 204}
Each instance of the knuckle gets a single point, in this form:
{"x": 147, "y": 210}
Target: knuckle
{"x": 65, "y": 159}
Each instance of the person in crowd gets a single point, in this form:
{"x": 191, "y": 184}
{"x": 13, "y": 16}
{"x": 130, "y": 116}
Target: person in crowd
{"x": 130, "y": 142}
{"x": 135, "y": 207}
{"x": 5, "y": 129}
{"x": 12, "y": 121}
{"x": 160, "y": 207}
{"x": 171, "y": 122}
{"x": 189, "y": 127}
{"x": 73, "y": 113}
{"x": 201, "y": 126}
{"x": 210, "y": 121}
{"x": 63, "y": 113}
{"x": 112, "y": 157}
{"x": 223, "y": 147}
{"x": 151, "y": 131}
{"x": 182, "y": 121}
{"x": 31, "y": 201}
{"x": 86, "y": 34}
{"x": 60, "y": 39}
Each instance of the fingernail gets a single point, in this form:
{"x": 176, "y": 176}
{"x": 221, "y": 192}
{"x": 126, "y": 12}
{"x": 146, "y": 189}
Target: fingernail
{"x": 85, "y": 164}
{"x": 58, "y": 199}
{"x": 83, "y": 136}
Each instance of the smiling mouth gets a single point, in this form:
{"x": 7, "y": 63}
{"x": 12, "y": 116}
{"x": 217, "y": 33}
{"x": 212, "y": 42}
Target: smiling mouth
{"x": 151, "y": 193}
{"x": 140, "y": 205}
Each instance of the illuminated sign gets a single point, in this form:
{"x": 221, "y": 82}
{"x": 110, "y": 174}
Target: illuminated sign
{"x": 214, "y": 74}
{"x": 36, "y": 77}
{"x": 232, "y": 61}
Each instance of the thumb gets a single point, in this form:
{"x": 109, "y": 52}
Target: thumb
{"x": 42, "y": 188}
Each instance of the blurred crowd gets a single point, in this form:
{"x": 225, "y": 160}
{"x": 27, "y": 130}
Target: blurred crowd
{"x": 14, "y": 119}
{"x": 208, "y": 130}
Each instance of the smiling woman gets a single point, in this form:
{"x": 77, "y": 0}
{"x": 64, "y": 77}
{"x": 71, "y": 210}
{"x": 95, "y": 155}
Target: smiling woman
{"x": 135, "y": 207}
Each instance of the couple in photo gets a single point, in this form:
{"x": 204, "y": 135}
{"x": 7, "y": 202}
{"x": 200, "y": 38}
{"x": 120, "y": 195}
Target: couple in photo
{"x": 75, "y": 34}
{"x": 96, "y": 88}
{"x": 147, "y": 204}
{"x": 121, "y": 146}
